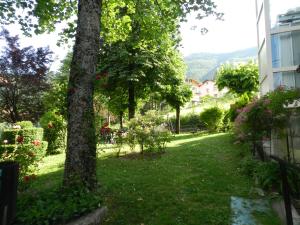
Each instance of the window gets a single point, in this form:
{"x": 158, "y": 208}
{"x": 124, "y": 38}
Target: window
{"x": 285, "y": 49}
{"x": 286, "y": 79}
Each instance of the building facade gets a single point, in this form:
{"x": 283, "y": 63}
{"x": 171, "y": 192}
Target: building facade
{"x": 278, "y": 38}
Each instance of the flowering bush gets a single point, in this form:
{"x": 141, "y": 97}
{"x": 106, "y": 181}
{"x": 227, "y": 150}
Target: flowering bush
{"x": 149, "y": 132}
{"x": 259, "y": 117}
{"x": 55, "y": 128}
{"x": 27, "y": 155}
{"x": 106, "y": 133}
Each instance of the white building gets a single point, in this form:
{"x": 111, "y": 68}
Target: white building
{"x": 278, "y": 37}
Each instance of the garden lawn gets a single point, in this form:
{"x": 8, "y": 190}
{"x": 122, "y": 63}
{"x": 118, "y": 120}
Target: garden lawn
{"x": 191, "y": 184}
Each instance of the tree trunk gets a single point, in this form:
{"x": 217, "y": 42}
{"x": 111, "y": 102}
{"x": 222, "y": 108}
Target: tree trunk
{"x": 80, "y": 164}
{"x": 131, "y": 101}
{"x": 177, "y": 119}
{"x": 121, "y": 120}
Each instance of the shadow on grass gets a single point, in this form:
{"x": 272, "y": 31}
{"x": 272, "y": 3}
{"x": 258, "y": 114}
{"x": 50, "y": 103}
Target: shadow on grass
{"x": 193, "y": 181}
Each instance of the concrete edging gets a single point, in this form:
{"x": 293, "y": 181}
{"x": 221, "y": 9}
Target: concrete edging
{"x": 94, "y": 218}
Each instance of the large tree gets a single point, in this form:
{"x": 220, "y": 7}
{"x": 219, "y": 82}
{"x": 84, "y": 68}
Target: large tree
{"x": 81, "y": 147}
{"x": 239, "y": 79}
{"x": 22, "y": 80}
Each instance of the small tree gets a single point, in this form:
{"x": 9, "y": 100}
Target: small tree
{"x": 177, "y": 96}
{"x": 240, "y": 79}
{"x": 22, "y": 80}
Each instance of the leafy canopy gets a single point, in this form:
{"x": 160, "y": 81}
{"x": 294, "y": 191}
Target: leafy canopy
{"x": 240, "y": 79}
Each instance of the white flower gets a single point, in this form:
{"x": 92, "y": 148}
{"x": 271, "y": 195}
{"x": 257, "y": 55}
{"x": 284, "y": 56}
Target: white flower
{"x": 5, "y": 141}
{"x": 16, "y": 127}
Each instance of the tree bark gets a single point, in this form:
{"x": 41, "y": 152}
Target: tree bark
{"x": 121, "y": 120}
{"x": 131, "y": 100}
{"x": 177, "y": 119}
{"x": 80, "y": 164}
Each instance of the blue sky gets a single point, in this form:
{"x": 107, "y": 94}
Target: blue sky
{"x": 237, "y": 31}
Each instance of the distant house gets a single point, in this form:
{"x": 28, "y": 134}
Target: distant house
{"x": 194, "y": 85}
{"x": 207, "y": 88}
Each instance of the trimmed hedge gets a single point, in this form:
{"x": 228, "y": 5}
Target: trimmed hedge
{"x": 25, "y": 124}
{"x": 28, "y": 134}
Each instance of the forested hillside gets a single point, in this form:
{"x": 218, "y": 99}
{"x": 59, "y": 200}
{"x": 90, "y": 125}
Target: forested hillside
{"x": 202, "y": 66}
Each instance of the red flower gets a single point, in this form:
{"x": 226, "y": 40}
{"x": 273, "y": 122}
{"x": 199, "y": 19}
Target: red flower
{"x": 20, "y": 139}
{"x": 98, "y": 77}
{"x": 50, "y": 125}
{"x": 26, "y": 178}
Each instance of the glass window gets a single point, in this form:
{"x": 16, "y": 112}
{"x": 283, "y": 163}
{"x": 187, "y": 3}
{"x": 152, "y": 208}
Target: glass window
{"x": 282, "y": 51}
{"x": 296, "y": 47}
{"x": 284, "y": 14}
{"x": 297, "y": 79}
{"x": 286, "y": 79}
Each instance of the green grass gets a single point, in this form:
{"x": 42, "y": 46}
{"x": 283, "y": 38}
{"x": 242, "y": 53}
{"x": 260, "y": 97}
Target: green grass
{"x": 191, "y": 184}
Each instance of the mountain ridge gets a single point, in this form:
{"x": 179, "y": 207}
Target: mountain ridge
{"x": 203, "y": 65}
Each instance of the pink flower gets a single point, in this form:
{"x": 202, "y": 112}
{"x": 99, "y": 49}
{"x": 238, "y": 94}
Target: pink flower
{"x": 36, "y": 142}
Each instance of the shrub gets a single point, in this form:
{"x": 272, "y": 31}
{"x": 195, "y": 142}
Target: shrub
{"x": 237, "y": 106}
{"x": 212, "y": 118}
{"x": 55, "y": 206}
{"x": 268, "y": 175}
{"x": 260, "y": 116}
{"x": 192, "y": 121}
{"x": 25, "y": 124}
{"x": 55, "y": 131}
{"x": 3, "y": 126}
{"x": 27, "y": 155}
{"x": 148, "y": 131}
{"x": 13, "y": 136}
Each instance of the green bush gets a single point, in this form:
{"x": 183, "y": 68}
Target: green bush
{"x": 189, "y": 121}
{"x": 55, "y": 131}
{"x": 27, "y": 155}
{"x": 149, "y": 132}
{"x": 3, "y": 126}
{"x": 25, "y": 124}
{"x": 212, "y": 118}
{"x": 28, "y": 135}
{"x": 55, "y": 207}
{"x": 268, "y": 175}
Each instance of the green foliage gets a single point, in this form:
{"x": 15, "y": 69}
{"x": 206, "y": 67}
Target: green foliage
{"x": 241, "y": 79}
{"x": 55, "y": 131}
{"x": 27, "y": 155}
{"x": 27, "y": 135}
{"x": 189, "y": 121}
{"x": 55, "y": 99}
{"x": 25, "y": 124}
{"x": 149, "y": 132}
{"x": 3, "y": 126}
{"x": 177, "y": 95}
{"x": 267, "y": 174}
{"x": 212, "y": 118}
{"x": 55, "y": 206}
{"x": 237, "y": 106}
